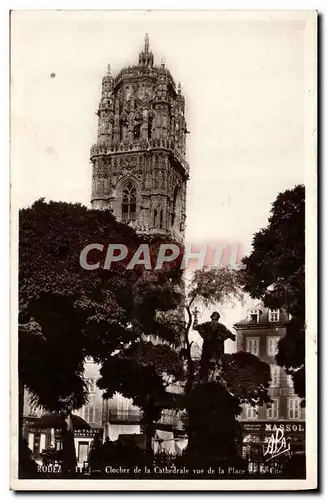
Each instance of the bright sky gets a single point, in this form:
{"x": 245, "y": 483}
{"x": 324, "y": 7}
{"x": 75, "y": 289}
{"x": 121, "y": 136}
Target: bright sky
{"x": 243, "y": 78}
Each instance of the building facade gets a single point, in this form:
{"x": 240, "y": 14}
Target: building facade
{"x": 259, "y": 334}
{"x": 41, "y": 439}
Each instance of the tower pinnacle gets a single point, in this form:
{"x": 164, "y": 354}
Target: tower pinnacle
{"x": 146, "y": 43}
{"x": 146, "y": 56}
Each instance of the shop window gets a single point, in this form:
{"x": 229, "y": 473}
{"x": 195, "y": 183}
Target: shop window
{"x": 37, "y": 443}
{"x": 58, "y": 444}
{"x": 42, "y": 441}
{"x": 31, "y": 441}
{"x": 83, "y": 451}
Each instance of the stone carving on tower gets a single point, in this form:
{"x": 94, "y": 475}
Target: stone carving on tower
{"x": 139, "y": 166}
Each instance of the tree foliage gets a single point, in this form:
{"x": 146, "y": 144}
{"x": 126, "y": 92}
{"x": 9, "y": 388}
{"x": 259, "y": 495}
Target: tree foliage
{"x": 246, "y": 377}
{"x": 61, "y": 300}
{"x": 212, "y": 425}
{"x": 214, "y": 286}
{"x": 275, "y": 273}
{"x": 67, "y": 312}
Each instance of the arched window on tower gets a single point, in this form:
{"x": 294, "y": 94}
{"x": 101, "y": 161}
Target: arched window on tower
{"x": 129, "y": 202}
{"x": 137, "y": 131}
{"x": 176, "y": 209}
{"x": 155, "y": 215}
{"x": 150, "y": 122}
{"x": 123, "y": 129}
{"x": 161, "y": 219}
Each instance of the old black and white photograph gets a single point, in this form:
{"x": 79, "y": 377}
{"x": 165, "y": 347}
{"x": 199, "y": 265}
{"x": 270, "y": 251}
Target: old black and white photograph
{"x": 163, "y": 248}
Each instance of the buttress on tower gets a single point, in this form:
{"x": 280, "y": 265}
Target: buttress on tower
{"x": 139, "y": 166}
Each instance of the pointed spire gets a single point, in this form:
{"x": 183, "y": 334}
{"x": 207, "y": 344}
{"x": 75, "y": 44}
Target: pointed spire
{"x": 146, "y": 43}
{"x": 179, "y": 88}
{"x": 145, "y": 56}
{"x": 108, "y": 70}
{"x": 163, "y": 62}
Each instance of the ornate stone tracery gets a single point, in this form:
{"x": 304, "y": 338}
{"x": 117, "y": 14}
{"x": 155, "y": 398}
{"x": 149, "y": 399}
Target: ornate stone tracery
{"x": 141, "y": 137}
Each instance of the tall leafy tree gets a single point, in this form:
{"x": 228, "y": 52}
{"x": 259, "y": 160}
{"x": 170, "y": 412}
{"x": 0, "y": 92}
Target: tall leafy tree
{"x": 64, "y": 309}
{"x": 275, "y": 273}
{"x": 62, "y": 306}
{"x": 68, "y": 312}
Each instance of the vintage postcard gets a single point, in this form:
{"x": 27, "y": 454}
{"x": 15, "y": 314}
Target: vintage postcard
{"x": 163, "y": 236}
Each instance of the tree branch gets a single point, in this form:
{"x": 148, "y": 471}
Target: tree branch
{"x": 190, "y": 366}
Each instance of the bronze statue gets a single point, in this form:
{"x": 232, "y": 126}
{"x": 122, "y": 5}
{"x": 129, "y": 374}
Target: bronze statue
{"x": 214, "y": 335}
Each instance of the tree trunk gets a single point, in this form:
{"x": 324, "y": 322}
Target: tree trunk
{"x": 190, "y": 367}
{"x": 190, "y": 375}
{"x": 21, "y": 390}
{"x": 69, "y": 452}
{"x": 148, "y": 429}
{"x": 22, "y": 446}
{"x": 148, "y": 439}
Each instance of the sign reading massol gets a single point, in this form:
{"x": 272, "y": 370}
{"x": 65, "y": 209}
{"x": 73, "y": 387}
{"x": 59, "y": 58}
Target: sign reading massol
{"x": 287, "y": 427}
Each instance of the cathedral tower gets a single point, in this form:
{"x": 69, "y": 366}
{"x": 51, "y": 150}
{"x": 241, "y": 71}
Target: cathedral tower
{"x": 139, "y": 166}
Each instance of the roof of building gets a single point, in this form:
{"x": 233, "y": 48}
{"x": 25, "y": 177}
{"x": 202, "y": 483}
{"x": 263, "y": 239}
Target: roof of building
{"x": 259, "y": 316}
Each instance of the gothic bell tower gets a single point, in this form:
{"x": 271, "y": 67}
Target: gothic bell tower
{"x": 138, "y": 161}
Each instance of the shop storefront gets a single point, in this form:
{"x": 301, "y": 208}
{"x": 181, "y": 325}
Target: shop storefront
{"x": 272, "y": 442}
{"x": 42, "y": 440}
{"x": 83, "y": 439}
